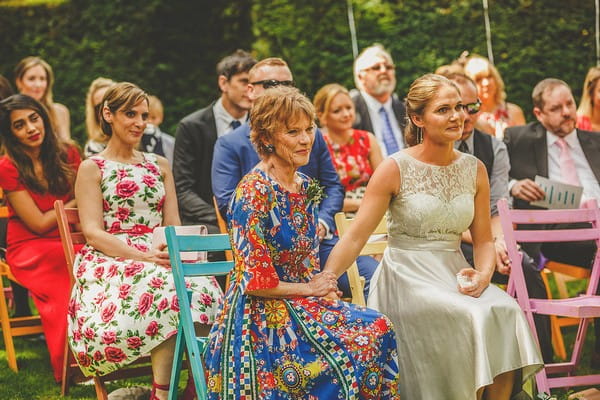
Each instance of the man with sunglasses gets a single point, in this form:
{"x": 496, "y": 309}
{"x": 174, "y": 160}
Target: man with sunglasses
{"x": 378, "y": 109}
{"x": 196, "y": 137}
{"x": 494, "y": 155}
{"x": 235, "y": 156}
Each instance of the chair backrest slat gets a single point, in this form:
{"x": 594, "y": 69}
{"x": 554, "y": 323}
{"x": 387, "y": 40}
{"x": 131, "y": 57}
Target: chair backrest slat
{"x": 556, "y": 235}
{"x": 553, "y": 216}
{"x": 217, "y": 242}
{"x": 214, "y": 268}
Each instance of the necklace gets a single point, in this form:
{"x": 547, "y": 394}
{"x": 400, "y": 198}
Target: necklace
{"x": 293, "y": 186}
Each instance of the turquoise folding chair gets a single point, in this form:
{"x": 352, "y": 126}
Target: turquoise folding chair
{"x": 186, "y": 335}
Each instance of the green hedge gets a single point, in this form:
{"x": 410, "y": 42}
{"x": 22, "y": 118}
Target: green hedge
{"x": 170, "y": 47}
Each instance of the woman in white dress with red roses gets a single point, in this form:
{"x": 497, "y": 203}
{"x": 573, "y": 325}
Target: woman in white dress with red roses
{"x": 124, "y": 305}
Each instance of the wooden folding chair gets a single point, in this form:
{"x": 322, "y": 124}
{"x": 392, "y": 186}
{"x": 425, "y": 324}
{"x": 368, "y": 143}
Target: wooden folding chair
{"x": 562, "y": 273}
{"x": 18, "y": 326}
{"x": 186, "y": 334}
{"x": 222, "y": 228}
{"x": 68, "y": 226}
{"x": 584, "y": 307}
{"x": 357, "y": 282}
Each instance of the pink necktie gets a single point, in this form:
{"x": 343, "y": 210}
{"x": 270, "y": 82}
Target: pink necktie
{"x": 567, "y": 165}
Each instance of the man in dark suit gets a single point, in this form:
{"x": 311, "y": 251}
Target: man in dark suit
{"x": 553, "y": 148}
{"x": 492, "y": 152}
{"x": 196, "y": 136}
{"x": 378, "y": 109}
{"x": 235, "y": 156}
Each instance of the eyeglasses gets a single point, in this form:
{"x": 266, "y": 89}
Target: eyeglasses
{"x": 271, "y": 83}
{"x": 472, "y": 108}
{"x": 379, "y": 67}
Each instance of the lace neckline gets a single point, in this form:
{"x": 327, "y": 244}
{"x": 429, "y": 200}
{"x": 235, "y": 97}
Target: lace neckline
{"x": 460, "y": 156}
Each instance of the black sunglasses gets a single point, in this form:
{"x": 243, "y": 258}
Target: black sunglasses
{"x": 472, "y": 108}
{"x": 271, "y": 83}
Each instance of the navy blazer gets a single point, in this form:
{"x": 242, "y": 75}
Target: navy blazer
{"x": 234, "y": 156}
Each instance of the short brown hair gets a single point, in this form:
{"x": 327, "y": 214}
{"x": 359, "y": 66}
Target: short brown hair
{"x": 276, "y": 109}
{"x": 121, "y": 95}
{"x": 537, "y": 96}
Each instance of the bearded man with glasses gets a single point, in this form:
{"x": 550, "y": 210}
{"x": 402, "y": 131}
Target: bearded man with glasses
{"x": 494, "y": 155}
{"x": 378, "y": 109}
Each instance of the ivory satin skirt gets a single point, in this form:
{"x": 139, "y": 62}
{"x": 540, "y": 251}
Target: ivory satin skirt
{"x": 449, "y": 344}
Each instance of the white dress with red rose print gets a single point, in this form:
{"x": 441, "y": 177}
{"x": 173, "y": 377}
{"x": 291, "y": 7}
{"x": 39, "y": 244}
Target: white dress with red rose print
{"x": 120, "y": 309}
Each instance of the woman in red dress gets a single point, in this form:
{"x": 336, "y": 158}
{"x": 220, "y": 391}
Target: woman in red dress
{"x": 36, "y": 170}
{"x": 355, "y": 153}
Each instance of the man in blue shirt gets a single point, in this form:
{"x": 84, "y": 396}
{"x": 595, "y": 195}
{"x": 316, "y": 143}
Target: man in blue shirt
{"x": 234, "y": 156}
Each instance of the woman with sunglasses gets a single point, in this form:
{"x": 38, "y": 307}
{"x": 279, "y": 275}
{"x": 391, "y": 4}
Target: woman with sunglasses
{"x": 36, "y": 170}
{"x": 93, "y": 102}
{"x": 496, "y": 112}
{"x": 445, "y": 313}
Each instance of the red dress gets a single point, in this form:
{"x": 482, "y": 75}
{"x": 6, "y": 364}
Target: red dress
{"x": 38, "y": 261}
{"x": 351, "y": 160}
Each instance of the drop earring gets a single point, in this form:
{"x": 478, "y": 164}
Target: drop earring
{"x": 419, "y": 135}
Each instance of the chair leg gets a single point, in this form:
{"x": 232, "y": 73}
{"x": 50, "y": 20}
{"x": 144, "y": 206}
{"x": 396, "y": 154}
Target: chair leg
{"x": 177, "y": 360}
{"x": 7, "y": 331}
{"x": 558, "y": 344}
{"x": 101, "y": 392}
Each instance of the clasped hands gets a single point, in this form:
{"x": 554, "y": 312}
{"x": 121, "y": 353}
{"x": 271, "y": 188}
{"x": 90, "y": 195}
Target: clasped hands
{"x": 324, "y": 284}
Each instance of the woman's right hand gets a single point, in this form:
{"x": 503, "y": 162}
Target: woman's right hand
{"x": 322, "y": 284}
{"x": 157, "y": 256}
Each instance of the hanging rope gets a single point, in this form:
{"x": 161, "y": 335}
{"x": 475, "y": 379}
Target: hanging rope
{"x": 488, "y": 31}
{"x": 352, "y": 27}
{"x": 597, "y": 33}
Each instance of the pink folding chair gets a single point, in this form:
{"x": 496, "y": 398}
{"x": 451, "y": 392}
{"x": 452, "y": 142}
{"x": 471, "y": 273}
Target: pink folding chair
{"x": 585, "y": 307}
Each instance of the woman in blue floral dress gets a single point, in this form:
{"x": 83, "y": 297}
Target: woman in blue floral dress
{"x": 282, "y": 333}
{"x": 124, "y": 304}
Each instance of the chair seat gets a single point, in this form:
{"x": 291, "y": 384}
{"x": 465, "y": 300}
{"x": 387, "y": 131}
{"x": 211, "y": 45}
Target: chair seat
{"x": 576, "y": 307}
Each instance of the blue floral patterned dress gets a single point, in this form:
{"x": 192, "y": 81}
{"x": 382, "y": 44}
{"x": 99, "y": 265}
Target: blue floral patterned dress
{"x": 297, "y": 348}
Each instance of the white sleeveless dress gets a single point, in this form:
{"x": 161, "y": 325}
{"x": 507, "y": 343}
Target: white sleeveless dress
{"x": 449, "y": 344}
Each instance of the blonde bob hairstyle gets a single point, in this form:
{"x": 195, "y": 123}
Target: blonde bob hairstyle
{"x": 478, "y": 67}
{"x": 586, "y": 105}
{"x": 122, "y": 95}
{"x": 420, "y": 93}
{"x": 274, "y": 111}
{"x": 325, "y": 96}
{"x": 92, "y": 120}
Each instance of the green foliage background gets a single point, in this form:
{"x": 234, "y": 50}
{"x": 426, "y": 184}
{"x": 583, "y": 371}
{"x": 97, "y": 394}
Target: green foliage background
{"x": 171, "y": 47}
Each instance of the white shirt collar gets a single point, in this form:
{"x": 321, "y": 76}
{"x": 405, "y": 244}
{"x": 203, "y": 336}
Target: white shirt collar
{"x": 375, "y": 104}
{"x": 571, "y": 139}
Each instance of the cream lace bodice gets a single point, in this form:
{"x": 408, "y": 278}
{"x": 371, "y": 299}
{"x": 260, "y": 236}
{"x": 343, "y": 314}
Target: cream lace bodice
{"x": 435, "y": 202}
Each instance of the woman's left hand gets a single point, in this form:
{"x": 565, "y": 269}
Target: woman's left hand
{"x": 479, "y": 282}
